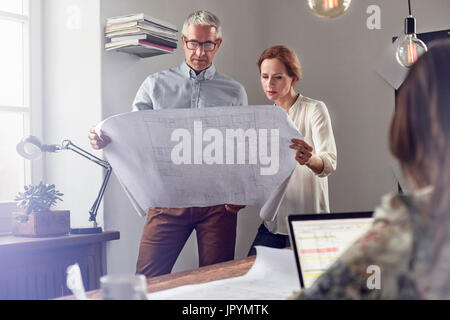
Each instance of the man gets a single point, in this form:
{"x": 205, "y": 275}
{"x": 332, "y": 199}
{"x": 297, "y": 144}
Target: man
{"x": 193, "y": 84}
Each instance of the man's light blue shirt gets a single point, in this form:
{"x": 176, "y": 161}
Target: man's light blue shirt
{"x": 180, "y": 87}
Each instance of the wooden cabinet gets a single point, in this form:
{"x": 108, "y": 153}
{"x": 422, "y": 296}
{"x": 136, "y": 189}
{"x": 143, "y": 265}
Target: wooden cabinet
{"x": 35, "y": 268}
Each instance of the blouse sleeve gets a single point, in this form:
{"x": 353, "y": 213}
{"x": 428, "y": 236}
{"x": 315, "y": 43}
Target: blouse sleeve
{"x": 323, "y": 137}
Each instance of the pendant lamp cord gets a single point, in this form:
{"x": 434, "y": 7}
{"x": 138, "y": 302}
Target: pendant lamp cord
{"x": 409, "y": 7}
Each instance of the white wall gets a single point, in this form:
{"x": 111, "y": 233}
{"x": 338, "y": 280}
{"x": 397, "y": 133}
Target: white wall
{"x": 338, "y": 57}
{"x": 72, "y": 99}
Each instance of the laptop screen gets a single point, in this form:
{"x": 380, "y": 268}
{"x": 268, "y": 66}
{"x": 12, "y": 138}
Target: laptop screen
{"x": 319, "y": 239}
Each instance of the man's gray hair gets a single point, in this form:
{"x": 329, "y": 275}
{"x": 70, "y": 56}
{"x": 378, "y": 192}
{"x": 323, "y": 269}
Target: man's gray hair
{"x": 205, "y": 18}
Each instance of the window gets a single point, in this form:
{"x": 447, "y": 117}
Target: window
{"x": 16, "y": 108}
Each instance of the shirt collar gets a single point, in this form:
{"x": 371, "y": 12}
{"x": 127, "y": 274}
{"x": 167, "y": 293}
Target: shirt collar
{"x": 295, "y": 105}
{"x": 206, "y": 74}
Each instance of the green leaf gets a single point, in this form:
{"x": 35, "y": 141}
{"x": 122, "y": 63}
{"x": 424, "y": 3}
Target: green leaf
{"x": 38, "y": 197}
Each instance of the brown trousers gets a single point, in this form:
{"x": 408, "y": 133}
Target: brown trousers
{"x": 167, "y": 230}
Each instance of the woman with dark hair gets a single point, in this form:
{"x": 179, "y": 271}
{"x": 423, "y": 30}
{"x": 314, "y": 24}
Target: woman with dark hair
{"x": 307, "y": 190}
{"x": 409, "y": 240}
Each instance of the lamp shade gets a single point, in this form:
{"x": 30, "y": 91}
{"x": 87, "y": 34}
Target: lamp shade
{"x": 29, "y": 148}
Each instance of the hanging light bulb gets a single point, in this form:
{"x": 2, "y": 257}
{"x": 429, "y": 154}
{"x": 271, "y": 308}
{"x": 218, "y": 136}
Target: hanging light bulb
{"x": 410, "y": 48}
{"x": 329, "y": 8}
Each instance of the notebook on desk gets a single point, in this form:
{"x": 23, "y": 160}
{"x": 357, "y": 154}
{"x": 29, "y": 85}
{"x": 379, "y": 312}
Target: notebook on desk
{"x": 319, "y": 239}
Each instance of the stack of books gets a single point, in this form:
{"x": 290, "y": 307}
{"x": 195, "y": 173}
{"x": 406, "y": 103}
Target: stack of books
{"x": 141, "y": 35}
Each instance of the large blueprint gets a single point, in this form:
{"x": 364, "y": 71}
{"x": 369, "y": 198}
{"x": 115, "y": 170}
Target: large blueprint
{"x": 178, "y": 158}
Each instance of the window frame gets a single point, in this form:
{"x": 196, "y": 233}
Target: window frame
{"x": 33, "y": 95}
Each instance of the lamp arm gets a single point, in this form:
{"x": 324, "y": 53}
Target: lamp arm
{"x": 68, "y": 145}
{"x": 93, "y": 211}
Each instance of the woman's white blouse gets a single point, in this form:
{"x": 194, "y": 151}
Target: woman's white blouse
{"x": 307, "y": 192}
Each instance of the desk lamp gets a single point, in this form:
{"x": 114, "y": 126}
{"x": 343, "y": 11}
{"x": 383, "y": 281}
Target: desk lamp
{"x": 31, "y": 148}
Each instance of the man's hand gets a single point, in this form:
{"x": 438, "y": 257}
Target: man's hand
{"x": 98, "y": 142}
{"x": 234, "y": 208}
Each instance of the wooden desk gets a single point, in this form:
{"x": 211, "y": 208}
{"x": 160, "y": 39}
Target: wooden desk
{"x": 35, "y": 268}
{"x": 213, "y": 272}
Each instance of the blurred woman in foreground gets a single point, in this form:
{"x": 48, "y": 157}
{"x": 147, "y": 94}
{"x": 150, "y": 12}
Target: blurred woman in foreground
{"x": 409, "y": 240}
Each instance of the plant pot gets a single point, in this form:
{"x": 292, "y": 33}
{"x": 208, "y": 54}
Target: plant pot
{"x": 40, "y": 224}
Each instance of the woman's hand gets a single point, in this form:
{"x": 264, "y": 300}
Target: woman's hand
{"x": 306, "y": 156}
{"x": 304, "y": 151}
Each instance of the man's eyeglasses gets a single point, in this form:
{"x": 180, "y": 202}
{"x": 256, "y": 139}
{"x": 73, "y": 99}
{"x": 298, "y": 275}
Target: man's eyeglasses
{"x": 207, "y": 45}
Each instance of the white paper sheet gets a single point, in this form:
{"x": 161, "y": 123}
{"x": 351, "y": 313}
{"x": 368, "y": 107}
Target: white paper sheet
{"x": 273, "y": 276}
{"x": 388, "y": 67}
{"x": 74, "y": 282}
{"x": 145, "y": 143}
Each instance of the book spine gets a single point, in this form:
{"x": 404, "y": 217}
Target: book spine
{"x": 156, "y": 40}
{"x": 120, "y": 26}
{"x": 141, "y": 18}
{"x": 150, "y": 44}
{"x": 141, "y": 34}
{"x": 123, "y": 19}
{"x": 128, "y": 31}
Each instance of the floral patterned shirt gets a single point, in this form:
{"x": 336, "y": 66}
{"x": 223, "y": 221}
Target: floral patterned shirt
{"x": 400, "y": 246}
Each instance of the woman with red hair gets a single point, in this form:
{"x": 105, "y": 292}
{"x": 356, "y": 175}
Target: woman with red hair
{"x": 307, "y": 190}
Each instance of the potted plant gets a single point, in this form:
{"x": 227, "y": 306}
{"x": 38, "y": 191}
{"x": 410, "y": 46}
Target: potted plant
{"x": 37, "y": 219}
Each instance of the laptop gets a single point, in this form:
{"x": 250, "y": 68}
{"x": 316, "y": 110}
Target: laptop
{"x": 319, "y": 239}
